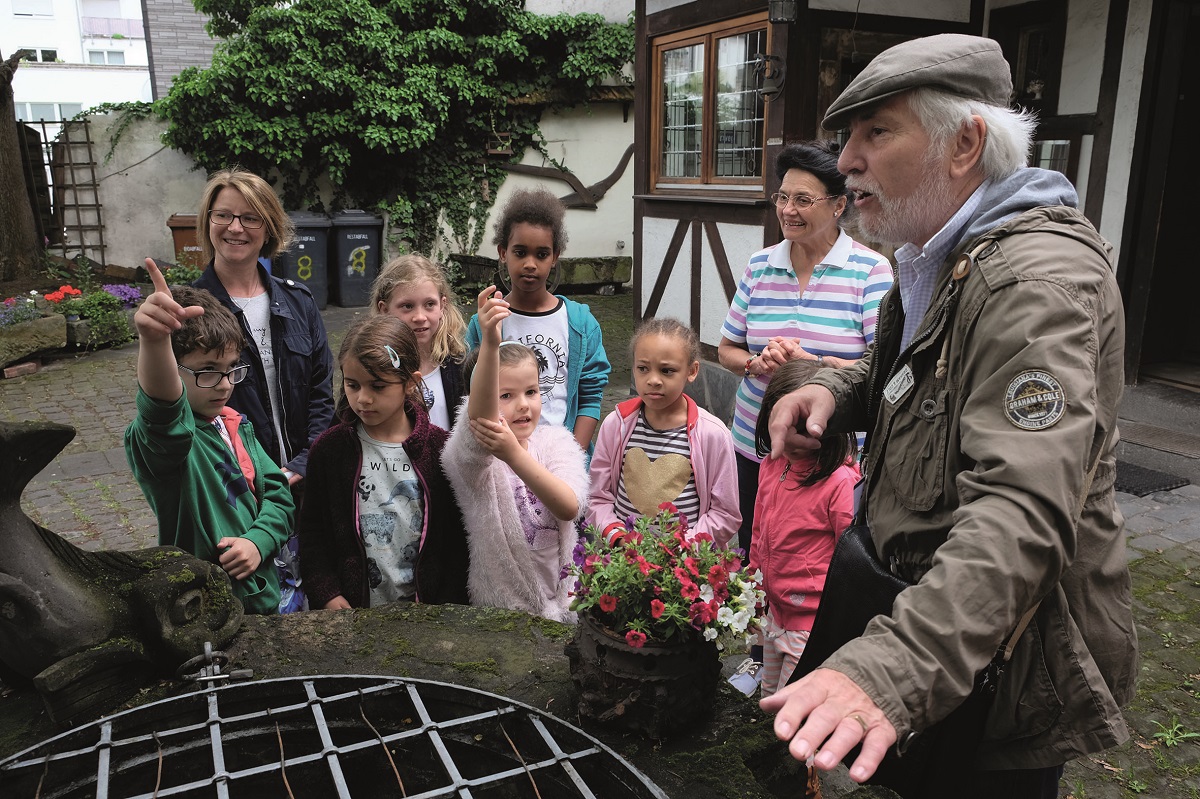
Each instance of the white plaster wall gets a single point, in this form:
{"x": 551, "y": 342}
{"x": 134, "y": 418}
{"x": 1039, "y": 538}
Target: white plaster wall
{"x": 611, "y": 10}
{"x": 1120, "y": 154}
{"x": 741, "y": 241}
{"x": 677, "y": 299}
{"x": 949, "y": 10}
{"x": 59, "y": 32}
{"x": 1083, "y": 57}
{"x": 76, "y": 83}
{"x": 143, "y": 185}
{"x": 590, "y": 142}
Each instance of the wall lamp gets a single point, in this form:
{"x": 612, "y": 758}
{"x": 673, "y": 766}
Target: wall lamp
{"x": 781, "y": 11}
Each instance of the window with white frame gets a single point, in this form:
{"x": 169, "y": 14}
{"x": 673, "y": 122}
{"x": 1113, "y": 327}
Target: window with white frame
{"x": 708, "y": 115}
{"x": 45, "y": 54}
{"x": 109, "y": 57}
{"x": 50, "y": 112}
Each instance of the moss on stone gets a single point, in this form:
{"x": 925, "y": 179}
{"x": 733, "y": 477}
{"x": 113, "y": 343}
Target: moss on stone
{"x": 487, "y": 666}
{"x": 185, "y": 575}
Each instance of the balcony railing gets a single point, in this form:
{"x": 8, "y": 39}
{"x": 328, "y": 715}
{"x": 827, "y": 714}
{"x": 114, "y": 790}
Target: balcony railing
{"x": 107, "y": 26}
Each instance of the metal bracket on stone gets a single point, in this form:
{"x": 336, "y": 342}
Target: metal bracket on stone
{"x": 210, "y": 668}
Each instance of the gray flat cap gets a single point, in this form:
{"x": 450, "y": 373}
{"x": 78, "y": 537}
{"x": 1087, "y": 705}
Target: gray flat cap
{"x": 969, "y": 66}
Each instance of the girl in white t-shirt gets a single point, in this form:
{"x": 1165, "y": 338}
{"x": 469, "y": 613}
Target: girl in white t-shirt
{"x": 414, "y": 289}
{"x": 521, "y": 486}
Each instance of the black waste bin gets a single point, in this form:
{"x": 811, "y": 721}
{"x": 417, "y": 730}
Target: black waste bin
{"x": 357, "y": 236}
{"x": 307, "y": 259}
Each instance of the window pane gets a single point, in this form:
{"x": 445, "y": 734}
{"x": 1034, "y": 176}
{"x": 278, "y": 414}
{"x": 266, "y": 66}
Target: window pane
{"x": 739, "y": 111}
{"x": 683, "y": 104}
{"x": 95, "y": 56}
{"x": 42, "y": 111}
{"x": 1051, "y": 154}
{"x": 49, "y": 55}
{"x": 23, "y": 114}
{"x": 69, "y": 110}
{"x": 116, "y": 57}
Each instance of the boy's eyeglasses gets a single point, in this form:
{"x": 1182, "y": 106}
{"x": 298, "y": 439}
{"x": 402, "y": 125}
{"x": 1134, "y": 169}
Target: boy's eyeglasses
{"x": 801, "y": 201}
{"x": 209, "y": 378}
{"x": 224, "y": 218}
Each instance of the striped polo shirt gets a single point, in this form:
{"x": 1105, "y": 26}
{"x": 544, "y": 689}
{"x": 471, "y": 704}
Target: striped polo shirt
{"x": 835, "y": 317}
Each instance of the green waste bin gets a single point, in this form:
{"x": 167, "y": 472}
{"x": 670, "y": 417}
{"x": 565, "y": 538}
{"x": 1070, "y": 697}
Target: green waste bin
{"x": 356, "y": 244}
{"x": 306, "y": 260}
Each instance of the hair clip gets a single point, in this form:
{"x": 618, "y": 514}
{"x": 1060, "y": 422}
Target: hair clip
{"x": 511, "y": 343}
{"x": 395, "y": 359}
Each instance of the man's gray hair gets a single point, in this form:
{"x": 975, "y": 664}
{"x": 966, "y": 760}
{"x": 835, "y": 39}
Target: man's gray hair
{"x": 1009, "y": 132}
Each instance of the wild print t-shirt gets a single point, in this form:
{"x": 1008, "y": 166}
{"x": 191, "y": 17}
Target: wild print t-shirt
{"x": 391, "y": 515}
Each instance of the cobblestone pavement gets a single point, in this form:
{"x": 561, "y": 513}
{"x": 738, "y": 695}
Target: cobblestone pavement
{"x": 88, "y": 496}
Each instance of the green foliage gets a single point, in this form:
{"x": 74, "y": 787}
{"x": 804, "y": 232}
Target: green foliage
{"x": 1174, "y": 734}
{"x": 395, "y": 100}
{"x": 107, "y": 321}
{"x": 126, "y": 114}
{"x": 182, "y": 274}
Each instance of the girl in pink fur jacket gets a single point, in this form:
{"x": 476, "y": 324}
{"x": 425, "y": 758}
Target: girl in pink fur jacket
{"x": 520, "y": 485}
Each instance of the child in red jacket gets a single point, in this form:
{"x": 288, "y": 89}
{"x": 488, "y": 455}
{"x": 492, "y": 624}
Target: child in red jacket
{"x": 801, "y": 508}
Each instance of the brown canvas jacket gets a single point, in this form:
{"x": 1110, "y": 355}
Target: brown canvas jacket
{"x": 975, "y": 477}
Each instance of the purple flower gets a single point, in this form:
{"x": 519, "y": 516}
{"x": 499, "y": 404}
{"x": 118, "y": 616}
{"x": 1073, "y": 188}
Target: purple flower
{"x": 128, "y": 295}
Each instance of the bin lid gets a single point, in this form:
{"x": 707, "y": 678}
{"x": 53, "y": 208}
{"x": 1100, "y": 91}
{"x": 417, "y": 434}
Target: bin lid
{"x": 181, "y": 220}
{"x": 354, "y": 217}
{"x": 308, "y": 219}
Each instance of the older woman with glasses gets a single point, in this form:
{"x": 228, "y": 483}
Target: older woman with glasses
{"x": 287, "y": 393}
{"x": 813, "y": 296}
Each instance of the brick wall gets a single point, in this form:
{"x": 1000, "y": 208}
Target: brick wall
{"x": 175, "y": 38}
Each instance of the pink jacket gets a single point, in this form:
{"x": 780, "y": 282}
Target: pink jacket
{"x": 712, "y": 464}
{"x": 795, "y": 528}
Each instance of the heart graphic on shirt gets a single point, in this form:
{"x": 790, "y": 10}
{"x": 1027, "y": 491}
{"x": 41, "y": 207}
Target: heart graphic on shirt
{"x": 649, "y": 483}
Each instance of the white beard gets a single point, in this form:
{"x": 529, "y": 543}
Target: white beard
{"x": 914, "y": 218}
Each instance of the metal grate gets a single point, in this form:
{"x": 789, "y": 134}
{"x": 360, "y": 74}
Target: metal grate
{"x": 344, "y": 736}
{"x": 1160, "y": 438}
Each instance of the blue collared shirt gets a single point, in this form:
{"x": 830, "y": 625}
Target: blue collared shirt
{"x": 917, "y": 267}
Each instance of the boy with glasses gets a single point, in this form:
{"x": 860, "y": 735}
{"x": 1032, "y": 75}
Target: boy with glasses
{"x": 215, "y": 491}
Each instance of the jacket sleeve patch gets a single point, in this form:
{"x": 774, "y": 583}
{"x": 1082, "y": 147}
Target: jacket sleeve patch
{"x": 1034, "y": 400}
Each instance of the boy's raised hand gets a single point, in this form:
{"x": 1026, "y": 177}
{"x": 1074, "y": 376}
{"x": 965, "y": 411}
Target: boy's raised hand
{"x": 159, "y": 316}
{"x": 493, "y": 309}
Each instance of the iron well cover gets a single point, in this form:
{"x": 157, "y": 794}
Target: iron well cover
{"x": 343, "y": 736}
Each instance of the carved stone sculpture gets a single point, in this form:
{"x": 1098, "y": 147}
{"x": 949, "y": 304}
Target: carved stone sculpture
{"x": 87, "y": 629}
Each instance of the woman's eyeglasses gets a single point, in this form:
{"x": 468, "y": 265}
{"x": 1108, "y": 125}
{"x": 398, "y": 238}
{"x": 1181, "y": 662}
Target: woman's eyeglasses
{"x": 801, "y": 201}
{"x": 209, "y": 378}
{"x": 224, "y": 218}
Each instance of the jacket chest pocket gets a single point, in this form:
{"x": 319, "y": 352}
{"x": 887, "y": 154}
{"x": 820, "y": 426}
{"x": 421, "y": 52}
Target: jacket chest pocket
{"x": 297, "y": 343}
{"x": 915, "y": 457}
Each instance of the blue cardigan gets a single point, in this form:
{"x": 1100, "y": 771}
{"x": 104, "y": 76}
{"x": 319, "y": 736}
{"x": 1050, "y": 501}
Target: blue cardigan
{"x": 587, "y": 365}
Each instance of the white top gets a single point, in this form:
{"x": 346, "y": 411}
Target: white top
{"x": 434, "y": 395}
{"x": 547, "y": 334}
{"x": 258, "y": 320}
{"x": 391, "y": 516}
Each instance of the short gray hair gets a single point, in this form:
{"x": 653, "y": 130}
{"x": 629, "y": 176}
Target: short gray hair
{"x": 1009, "y": 131}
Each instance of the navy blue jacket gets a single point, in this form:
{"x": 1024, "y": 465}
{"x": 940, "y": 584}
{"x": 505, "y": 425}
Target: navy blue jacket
{"x": 303, "y": 364}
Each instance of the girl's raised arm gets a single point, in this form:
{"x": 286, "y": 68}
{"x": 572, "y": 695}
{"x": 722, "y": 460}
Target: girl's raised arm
{"x": 484, "y": 399}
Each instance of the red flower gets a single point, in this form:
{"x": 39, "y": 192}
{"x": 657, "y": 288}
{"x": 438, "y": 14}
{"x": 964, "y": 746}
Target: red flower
{"x": 608, "y": 603}
{"x": 644, "y": 566}
{"x": 633, "y": 538}
{"x": 635, "y": 639}
{"x": 54, "y": 296}
{"x": 589, "y": 563}
{"x": 717, "y": 576}
{"x": 689, "y": 591}
{"x": 657, "y": 608}
{"x": 669, "y": 507}
{"x": 702, "y": 613}
{"x": 690, "y": 563}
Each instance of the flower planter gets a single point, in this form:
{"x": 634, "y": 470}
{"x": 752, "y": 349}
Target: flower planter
{"x": 21, "y": 340}
{"x": 653, "y": 690}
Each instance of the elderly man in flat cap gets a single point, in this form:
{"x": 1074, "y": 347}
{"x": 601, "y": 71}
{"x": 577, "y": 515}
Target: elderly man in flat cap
{"x": 991, "y": 395}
